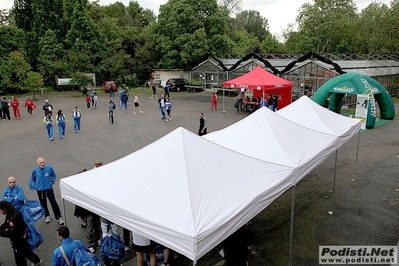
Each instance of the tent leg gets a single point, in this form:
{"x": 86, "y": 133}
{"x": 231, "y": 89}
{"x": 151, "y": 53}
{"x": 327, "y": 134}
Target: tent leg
{"x": 333, "y": 190}
{"x": 357, "y": 155}
{"x": 292, "y": 225}
{"x": 224, "y": 111}
{"x": 63, "y": 211}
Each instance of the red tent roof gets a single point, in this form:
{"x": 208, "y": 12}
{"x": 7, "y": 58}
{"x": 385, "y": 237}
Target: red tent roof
{"x": 257, "y": 79}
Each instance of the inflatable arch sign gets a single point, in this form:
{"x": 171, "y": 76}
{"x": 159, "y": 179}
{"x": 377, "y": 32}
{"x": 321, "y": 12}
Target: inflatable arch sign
{"x": 368, "y": 90}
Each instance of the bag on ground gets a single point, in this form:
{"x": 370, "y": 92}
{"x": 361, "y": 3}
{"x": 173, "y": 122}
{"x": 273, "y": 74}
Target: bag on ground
{"x": 32, "y": 211}
{"x": 112, "y": 247}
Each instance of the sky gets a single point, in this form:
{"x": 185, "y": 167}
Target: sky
{"x": 279, "y": 13}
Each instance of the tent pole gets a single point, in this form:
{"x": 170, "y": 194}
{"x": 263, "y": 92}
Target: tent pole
{"x": 63, "y": 211}
{"x": 292, "y": 225}
{"x": 333, "y": 190}
{"x": 224, "y": 111}
{"x": 357, "y": 155}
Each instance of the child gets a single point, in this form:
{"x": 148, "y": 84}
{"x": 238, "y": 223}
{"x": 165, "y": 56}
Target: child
{"x": 168, "y": 107}
{"x": 48, "y": 122}
{"x": 88, "y": 99}
{"x": 214, "y": 99}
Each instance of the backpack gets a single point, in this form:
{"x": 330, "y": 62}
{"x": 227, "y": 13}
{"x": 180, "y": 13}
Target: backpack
{"x": 112, "y": 247}
{"x": 83, "y": 257}
{"x": 113, "y": 106}
{"x": 33, "y": 236}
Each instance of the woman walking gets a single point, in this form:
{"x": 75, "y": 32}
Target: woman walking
{"x": 48, "y": 122}
{"x": 60, "y": 119}
{"x": 14, "y": 228}
{"x": 30, "y": 106}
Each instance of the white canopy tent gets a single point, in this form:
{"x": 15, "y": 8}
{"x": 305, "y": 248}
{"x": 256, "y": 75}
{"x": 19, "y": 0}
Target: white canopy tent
{"x": 309, "y": 114}
{"x": 191, "y": 203}
{"x": 306, "y": 112}
{"x": 272, "y": 137}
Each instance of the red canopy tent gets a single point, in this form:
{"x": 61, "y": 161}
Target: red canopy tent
{"x": 263, "y": 83}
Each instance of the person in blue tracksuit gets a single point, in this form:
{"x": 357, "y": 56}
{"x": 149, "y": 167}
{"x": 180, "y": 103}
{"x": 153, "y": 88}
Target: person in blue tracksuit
{"x": 48, "y": 122}
{"x": 68, "y": 244}
{"x": 42, "y": 179}
{"x": 60, "y": 119}
{"x": 14, "y": 193}
{"x": 77, "y": 115}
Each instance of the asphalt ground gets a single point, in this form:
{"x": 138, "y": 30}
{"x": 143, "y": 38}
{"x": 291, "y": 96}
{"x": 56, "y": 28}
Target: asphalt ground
{"x": 365, "y": 210}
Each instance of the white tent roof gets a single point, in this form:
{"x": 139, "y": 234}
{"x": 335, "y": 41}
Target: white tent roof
{"x": 309, "y": 114}
{"x": 191, "y": 203}
{"x": 270, "y": 137}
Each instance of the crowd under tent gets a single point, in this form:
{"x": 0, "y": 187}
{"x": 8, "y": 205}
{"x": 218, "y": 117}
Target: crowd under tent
{"x": 189, "y": 205}
{"x": 263, "y": 84}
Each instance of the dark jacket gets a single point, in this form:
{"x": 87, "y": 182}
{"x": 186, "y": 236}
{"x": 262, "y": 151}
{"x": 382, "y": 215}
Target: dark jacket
{"x": 16, "y": 231}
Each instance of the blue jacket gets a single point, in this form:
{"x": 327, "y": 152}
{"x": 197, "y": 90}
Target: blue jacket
{"x": 42, "y": 179}
{"x": 69, "y": 246}
{"x": 14, "y": 195}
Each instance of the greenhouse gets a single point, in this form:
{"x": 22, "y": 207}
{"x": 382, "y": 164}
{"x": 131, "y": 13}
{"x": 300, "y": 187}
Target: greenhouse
{"x": 307, "y": 74}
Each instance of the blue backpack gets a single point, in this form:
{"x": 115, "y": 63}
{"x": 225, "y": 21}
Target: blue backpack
{"x": 83, "y": 257}
{"x": 33, "y": 236}
{"x": 32, "y": 211}
{"x": 112, "y": 247}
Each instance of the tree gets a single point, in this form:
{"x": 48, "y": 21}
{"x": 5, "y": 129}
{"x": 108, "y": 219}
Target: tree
{"x": 327, "y": 24}
{"x": 51, "y": 60}
{"x": 244, "y": 43}
{"x": 13, "y": 72}
{"x": 81, "y": 81}
{"x": 232, "y": 6}
{"x": 270, "y": 45}
{"x": 187, "y": 30}
{"x": 254, "y": 23}
{"x": 23, "y": 13}
{"x": 33, "y": 81}
{"x": 11, "y": 39}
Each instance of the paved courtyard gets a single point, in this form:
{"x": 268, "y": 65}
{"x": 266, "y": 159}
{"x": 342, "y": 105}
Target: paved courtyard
{"x": 366, "y": 210}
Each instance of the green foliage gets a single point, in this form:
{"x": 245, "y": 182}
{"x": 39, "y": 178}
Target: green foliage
{"x": 33, "y": 81}
{"x": 13, "y": 72}
{"x": 11, "y": 39}
{"x": 254, "y": 23}
{"x": 128, "y": 80}
{"x": 80, "y": 81}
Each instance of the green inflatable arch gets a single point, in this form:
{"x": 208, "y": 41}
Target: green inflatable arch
{"x": 356, "y": 83}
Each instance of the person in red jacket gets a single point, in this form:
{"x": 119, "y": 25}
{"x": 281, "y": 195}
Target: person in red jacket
{"x": 30, "y": 105}
{"x": 214, "y": 99}
{"x": 15, "y": 107}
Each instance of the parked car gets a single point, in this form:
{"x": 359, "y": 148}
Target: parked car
{"x": 108, "y": 84}
{"x": 177, "y": 84}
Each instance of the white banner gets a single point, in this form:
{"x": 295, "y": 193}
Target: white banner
{"x": 362, "y": 109}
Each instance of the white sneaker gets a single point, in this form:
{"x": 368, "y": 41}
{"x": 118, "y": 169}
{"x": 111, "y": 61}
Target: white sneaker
{"x": 171, "y": 118}
{"x": 92, "y": 250}
{"x": 47, "y": 220}
{"x": 134, "y": 113}
{"x": 142, "y": 112}
{"x": 167, "y": 120}
{"x": 127, "y": 248}
{"x": 60, "y": 221}
{"x": 35, "y": 264}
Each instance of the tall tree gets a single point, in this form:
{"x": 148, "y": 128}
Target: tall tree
{"x": 187, "y": 30}
{"x": 327, "y": 25}
{"x": 254, "y": 23}
{"x": 13, "y": 72}
{"x": 23, "y": 14}
{"x": 11, "y": 39}
{"x": 51, "y": 60}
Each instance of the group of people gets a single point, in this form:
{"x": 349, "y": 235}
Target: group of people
{"x": 14, "y": 227}
{"x": 14, "y": 103}
{"x": 42, "y": 180}
{"x": 60, "y": 120}
{"x": 92, "y": 100}
{"x": 270, "y": 101}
